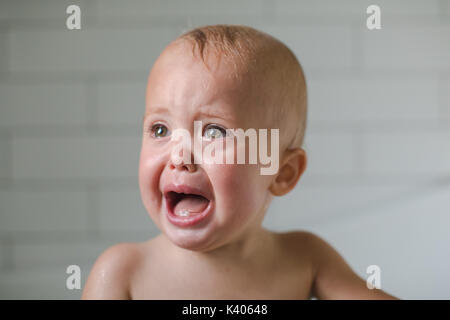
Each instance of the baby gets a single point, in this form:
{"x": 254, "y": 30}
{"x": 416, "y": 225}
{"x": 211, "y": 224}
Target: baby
{"x": 212, "y": 244}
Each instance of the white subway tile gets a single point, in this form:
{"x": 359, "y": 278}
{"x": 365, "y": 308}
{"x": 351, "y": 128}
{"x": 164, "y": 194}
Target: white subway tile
{"x": 330, "y": 153}
{"x": 414, "y": 152}
{"x": 318, "y": 8}
{"x": 43, "y": 211}
{"x": 39, "y": 10}
{"x": 373, "y": 99}
{"x": 445, "y": 99}
{"x": 355, "y": 8}
{"x": 312, "y": 205}
{"x": 37, "y": 285}
{"x": 87, "y": 49}
{"x": 123, "y": 210}
{"x": 32, "y": 256}
{"x": 42, "y": 104}
{"x": 407, "y": 47}
{"x": 416, "y": 227}
{"x": 121, "y": 103}
{"x": 3, "y": 51}
{"x": 76, "y": 157}
{"x": 4, "y": 255}
{"x": 333, "y": 50}
{"x": 116, "y": 9}
{"x": 5, "y": 157}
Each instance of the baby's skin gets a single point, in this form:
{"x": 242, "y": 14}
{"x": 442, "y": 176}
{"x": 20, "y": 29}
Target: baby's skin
{"x": 227, "y": 253}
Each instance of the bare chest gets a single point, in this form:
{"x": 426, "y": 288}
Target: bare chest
{"x": 284, "y": 281}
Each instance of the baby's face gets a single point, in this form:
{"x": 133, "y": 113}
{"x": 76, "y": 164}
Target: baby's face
{"x": 233, "y": 197}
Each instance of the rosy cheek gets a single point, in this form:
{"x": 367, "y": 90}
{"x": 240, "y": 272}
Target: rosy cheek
{"x": 149, "y": 166}
{"x": 234, "y": 188}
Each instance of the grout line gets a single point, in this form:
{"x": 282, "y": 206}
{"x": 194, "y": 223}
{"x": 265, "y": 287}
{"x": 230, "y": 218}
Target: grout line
{"x": 387, "y": 126}
{"x": 7, "y": 179}
{"x": 138, "y": 75}
{"x": 91, "y": 105}
{"x": 418, "y": 192}
{"x": 94, "y": 19}
{"x": 77, "y": 185}
{"x": 5, "y": 64}
{"x": 91, "y": 19}
{"x": 314, "y": 126}
{"x": 358, "y": 52}
{"x": 93, "y": 212}
{"x": 8, "y": 254}
{"x": 359, "y": 152}
{"x": 70, "y": 184}
{"x": 443, "y": 10}
{"x": 440, "y": 98}
{"x": 74, "y": 131}
{"x": 269, "y": 10}
{"x": 73, "y": 236}
{"x": 443, "y": 98}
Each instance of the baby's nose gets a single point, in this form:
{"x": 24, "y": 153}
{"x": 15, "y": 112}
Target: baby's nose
{"x": 181, "y": 163}
{"x": 190, "y": 167}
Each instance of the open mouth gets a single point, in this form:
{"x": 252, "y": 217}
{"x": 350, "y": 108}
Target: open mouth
{"x": 186, "y": 204}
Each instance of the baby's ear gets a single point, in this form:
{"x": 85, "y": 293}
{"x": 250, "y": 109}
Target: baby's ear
{"x": 291, "y": 169}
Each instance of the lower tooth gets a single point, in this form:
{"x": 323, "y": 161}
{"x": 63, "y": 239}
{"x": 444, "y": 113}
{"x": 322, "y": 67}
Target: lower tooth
{"x": 184, "y": 213}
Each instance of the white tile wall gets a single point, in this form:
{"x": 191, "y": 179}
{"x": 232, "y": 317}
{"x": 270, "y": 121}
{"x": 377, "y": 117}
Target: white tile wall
{"x": 121, "y": 103}
{"x": 5, "y": 157}
{"x": 38, "y": 284}
{"x": 304, "y": 207}
{"x": 38, "y": 104}
{"x": 372, "y": 99}
{"x": 408, "y": 47}
{"x": 44, "y": 9}
{"x": 42, "y": 211}
{"x": 123, "y": 210}
{"x": 159, "y": 8}
{"x": 71, "y": 105}
{"x": 3, "y": 50}
{"x": 334, "y": 50}
{"x": 355, "y": 8}
{"x": 412, "y": 251}
{"x": 445, "y": 103}
{"x": 412, "y": 153}
{"x": 75, "y": 157}
{"x": 87, "y": 49}
{"x": 331, "y": 154}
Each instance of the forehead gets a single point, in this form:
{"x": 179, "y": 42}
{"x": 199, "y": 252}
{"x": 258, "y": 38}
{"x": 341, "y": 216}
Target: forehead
{"x": 181, "y": 81}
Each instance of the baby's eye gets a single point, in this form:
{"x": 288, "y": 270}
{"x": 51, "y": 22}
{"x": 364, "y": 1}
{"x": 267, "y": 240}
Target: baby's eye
{"x": 214, "y": 132}
{"x": 159, "y": 130}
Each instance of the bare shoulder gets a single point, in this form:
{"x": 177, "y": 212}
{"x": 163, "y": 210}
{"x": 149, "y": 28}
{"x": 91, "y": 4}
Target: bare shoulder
{"x": 317, "y": 247}
{"x": 110, "y": 275}
{"x": 299, "y": 240}
{"x": 333, "y": 278}
{"x": 315, "y": 244}
{"x": 321, "y": 253}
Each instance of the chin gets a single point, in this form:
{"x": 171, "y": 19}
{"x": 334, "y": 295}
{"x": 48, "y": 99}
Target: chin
{"x": 191, "y": 239}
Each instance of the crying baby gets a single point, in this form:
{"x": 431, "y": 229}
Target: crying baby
{"x": 222, "y": 135}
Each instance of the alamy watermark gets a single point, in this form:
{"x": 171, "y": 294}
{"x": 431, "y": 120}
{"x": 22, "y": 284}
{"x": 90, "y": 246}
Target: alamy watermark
{"x": 374, "y": 20}
{"x": 374, "y": 279}
{"x": 73, "y": 281}
{"x": 222, "y": 150}
{"x": 73, "y": 22}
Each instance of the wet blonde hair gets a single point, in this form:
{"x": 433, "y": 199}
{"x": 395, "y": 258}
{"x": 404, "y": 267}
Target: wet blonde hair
{"x": 265, "y": 58}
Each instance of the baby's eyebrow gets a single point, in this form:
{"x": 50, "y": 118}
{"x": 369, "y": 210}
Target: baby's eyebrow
{"x": 215, "y": 115}
{"x": 208, "y": 114}
{"x": 156, "y": 110}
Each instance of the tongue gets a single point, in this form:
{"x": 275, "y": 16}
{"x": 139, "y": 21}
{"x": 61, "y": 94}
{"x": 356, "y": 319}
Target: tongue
{"x": 191, "y": 203}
